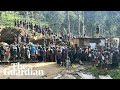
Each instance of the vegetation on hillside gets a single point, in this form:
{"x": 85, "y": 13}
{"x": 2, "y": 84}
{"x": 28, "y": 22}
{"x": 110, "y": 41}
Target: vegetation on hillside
{"x": 58, "y": 20}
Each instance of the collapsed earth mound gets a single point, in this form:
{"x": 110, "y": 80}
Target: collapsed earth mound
{"x": 7, "y": 34}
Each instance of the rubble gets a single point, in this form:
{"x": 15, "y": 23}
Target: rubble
{"x": 58, "y": 76}
{"x": 104, "y": 77}
{"x": 86, "y": 76}
{"x": 70, "y": 76}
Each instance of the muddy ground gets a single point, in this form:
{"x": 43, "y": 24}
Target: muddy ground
{"x": 50, "y": 71}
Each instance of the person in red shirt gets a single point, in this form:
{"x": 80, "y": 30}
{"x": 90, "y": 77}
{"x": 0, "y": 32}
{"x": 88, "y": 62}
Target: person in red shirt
{"x": 7, "y": 54}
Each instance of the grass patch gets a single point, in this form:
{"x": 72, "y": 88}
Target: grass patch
{"x": 114, "y": 73}
{"x": 96, "y": 72}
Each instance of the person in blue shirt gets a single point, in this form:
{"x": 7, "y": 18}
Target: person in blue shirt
{"x": 33, "y": 52}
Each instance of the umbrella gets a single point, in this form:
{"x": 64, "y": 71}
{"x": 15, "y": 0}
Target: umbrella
{"x": 3, "y": 44}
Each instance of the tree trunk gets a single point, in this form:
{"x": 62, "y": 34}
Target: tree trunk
{"x": 83, "y": 31}
{"x": 5, "y": 18}
{"x": 1, "y": 18}
{"x": 79, "y": 25}
{"x": 68, "y": 22}
{"x": 14, "y": 19}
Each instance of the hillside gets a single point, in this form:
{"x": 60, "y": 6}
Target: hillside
{"x": 8, "y": 32}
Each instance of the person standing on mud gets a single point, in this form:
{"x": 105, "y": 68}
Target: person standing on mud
{"x": 79, "y": 55}
{"x": 96, "y": 57}
{"x": 27, "y": 54}
{"x": 39, "y": 29}
{"x": 15, "y": 53}
{"x": 22, "y": 52}
{"x": 7, "y": 54}
{"x": 27, "y": 25}
{"x": 115, "y": 59}
{"x": 14, "y": 38}
{"x": 47, "y": 54}
{"x": 39, "y": 59}
{"x": 18, "y": 52}
{"x": 33, "y": 52}
{"x": 18, "y": 24}
{"x": 41, "y": 53}
{"x": 11, "y": 52}
{"x": 21, "y": 24}
{"x": 18, "y": 39}
{"x": 73, "y": 55}
{"x": 59, "y": 57}
{"x": 27, "y": 39}
{"x": 55, "y": 52}
{"x": 70, "y": 54}
{"x": 31, "y": 26}
{"x": 51, "y": 55}
{"x": 63, "y": 57}
{"x": 99, "y": 59}
{"x": 44, "y": 54}
{"x": 2, "y": 53}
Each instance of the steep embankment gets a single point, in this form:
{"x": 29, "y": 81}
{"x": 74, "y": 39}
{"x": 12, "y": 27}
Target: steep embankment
{"x": 8, "y": 32}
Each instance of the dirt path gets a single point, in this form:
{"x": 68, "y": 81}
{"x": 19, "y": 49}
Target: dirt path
{"x": 49, "y": 69}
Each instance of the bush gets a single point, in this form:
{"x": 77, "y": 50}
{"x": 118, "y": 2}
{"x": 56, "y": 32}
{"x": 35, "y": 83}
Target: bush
{"x": 114, "y": 73}
{"x": 96, "y": 72}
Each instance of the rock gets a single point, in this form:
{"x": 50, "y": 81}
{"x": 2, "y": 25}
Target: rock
{"x": 80, "y": 62}
{"x": 104, "y": 77}
{"x": 57, "y": 77}
{"x": 70, "y": 76}
{"x": 86, "y": 76}
{"x": 80, "y": 68}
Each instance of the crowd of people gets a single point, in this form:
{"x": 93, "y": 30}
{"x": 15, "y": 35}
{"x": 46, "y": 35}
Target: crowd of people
{"x": 26, "y": 52}
{"x": 30, "y": 26}
{"x": 44, "y": 30}
{"x": 105, "y": 58}
{"x": 17, "y": 38}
